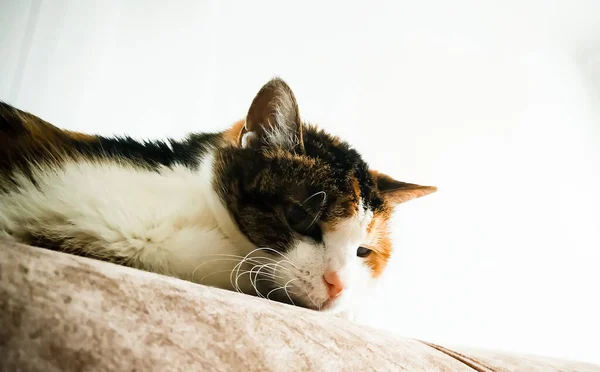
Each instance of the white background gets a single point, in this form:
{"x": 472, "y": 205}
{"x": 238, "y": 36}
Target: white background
{"x": 495, "y": 102}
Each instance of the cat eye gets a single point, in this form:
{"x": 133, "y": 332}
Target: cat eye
{"x": 363, "y": 252}
{"x": 303, "y": 222}
{"x": 303, "y": 218}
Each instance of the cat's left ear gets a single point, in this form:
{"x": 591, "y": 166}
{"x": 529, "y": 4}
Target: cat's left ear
{"x": 273, "y": 119}
{"x": 396, "y": 192}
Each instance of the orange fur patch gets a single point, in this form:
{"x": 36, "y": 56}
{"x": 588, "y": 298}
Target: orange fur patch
{"x": 232, "y": 135}
{"x": 379, "y": 242}
{"x": 25, "y": 137}
{"x": 77, "y": 136}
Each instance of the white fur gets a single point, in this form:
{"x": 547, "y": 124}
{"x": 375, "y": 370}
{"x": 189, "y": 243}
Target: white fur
{"x": 282, "y": 134}
{"x": 170, "y": 222}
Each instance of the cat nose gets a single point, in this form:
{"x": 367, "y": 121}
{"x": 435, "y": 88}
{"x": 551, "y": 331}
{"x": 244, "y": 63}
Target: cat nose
{"x": 333, "y": 283}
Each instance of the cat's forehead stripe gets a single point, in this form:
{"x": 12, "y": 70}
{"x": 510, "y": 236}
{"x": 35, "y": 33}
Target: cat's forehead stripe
{"x": 365, "y": 215}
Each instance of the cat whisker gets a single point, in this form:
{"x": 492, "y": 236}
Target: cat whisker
{"x": 286, "y": 291}
{"x": 280, "y": 288}
{"x": 238, "y": 266}
{"x": 241, "y": 257}
{"x": 311, "y": 300}
{"x": 256, "y": 278}
{"x": 237, "y": 269}
{"x": 263, "y": 277}
{"x": 211, "y": 274}
{"x": 235, "y": 283}
{"x": 279, "y": 253}
{"x": 273, "y": 272}
{"x": 267, "y": 279}
{"x": 253, "y": 282}
{"x": 211, "y": 261}
{"x": 257, "y": 274}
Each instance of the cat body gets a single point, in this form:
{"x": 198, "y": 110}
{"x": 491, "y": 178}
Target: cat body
{"x": 272, "y": 206}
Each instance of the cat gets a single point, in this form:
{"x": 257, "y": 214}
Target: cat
{"x": 273, "y": 207}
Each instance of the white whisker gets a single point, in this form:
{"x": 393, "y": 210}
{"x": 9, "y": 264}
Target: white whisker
{"x": 211, "y": 261}
{"x": 253, "y": 282}
{"x": 311, "y": 300}
{"x": 279, "y": 253}
{"x": 284, "y": 288}
{"x": 238, "y": 266}
{"x": 246, "y": 257}
{"x": 286, "y": 291}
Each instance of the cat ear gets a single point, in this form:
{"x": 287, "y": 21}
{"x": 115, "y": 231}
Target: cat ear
{"x": 396, "y": 192}
{"x": 273, "y": 119}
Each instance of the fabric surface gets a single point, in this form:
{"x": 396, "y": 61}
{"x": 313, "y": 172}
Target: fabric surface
{"x": 60, "y": 312}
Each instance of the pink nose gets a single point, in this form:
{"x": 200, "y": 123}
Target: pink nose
{"x": 333, "y": 283}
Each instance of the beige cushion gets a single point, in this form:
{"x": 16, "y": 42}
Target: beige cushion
{"x": 60, "y": 312}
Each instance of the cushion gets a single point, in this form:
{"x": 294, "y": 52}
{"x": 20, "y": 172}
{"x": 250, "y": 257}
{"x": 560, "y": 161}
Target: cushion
{"x": 60, "y": 312}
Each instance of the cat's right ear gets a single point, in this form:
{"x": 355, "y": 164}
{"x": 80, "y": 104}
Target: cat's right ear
{"x": 273, "y": 119}
{"x": 396, "y": 192}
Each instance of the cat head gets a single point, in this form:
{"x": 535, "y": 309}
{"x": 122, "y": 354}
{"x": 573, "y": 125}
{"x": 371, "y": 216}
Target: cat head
{"x": 317, "y": 215}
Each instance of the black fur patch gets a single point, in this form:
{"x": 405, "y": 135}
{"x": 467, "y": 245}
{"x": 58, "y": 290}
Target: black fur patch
{"x": 10, "y": 124}
{"x": 151, "y": 153}
{"x": 25, "y": 139}
{"x": 344, "y": 161}
{"x": 257, "y": 185}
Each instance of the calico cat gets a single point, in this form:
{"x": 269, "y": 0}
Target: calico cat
{"x": 272, "y": 207}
